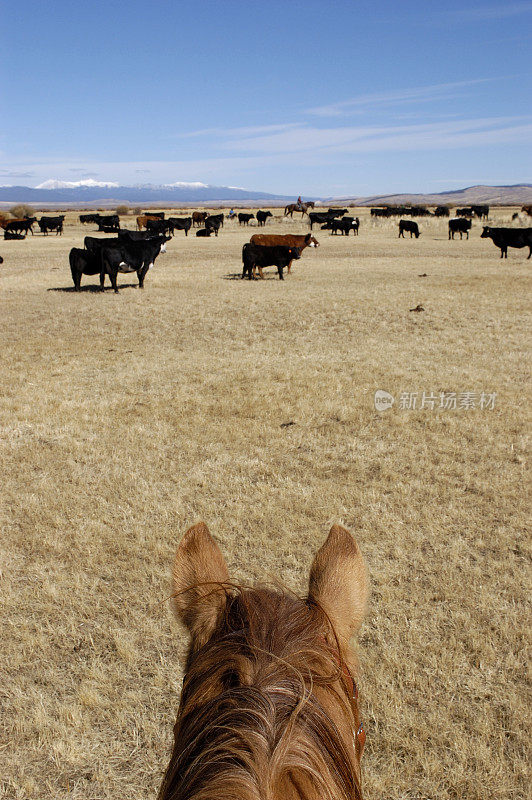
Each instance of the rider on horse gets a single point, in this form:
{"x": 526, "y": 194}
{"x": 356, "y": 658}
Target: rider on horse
{"x": 299, "y": 204}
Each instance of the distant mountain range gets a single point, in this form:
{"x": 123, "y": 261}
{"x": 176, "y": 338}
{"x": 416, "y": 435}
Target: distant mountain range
{"x": 92, "y": 192}
{"x": 182, "y": 193}
{"x": 517, "y": 194}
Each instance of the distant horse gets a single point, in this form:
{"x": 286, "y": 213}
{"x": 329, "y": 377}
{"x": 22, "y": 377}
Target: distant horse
{"x": 289, "y": 210}
{"x": 269, "y": 704}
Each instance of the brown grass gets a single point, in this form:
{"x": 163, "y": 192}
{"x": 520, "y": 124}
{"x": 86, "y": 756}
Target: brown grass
{"x": 125, "y": 418}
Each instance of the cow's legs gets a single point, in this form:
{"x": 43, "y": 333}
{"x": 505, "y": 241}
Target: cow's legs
{"x": 280, "y": 271}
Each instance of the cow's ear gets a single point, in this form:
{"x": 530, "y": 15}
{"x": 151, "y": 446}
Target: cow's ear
{"x": 338, "y": 582}
{"x": 308, "y": 237}
{"x": 199, "y": 580}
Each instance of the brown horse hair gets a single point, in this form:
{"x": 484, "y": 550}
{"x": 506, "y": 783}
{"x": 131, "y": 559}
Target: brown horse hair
{"x": 264, "y": 714}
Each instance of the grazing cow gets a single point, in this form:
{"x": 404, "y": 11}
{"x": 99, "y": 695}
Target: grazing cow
{"x": 345, "y": 225}
{"x": 256, "y": 256}
{"x": 107, "y": 228}
{"x": 408, "y": 225}
{"x": 336, "y": 212}
{"x": 109, "y": 223}
{"x": 181, "y": 224}
{"x": 85, "y": 218}
{"x": 482, "y": 212}
{"x": 285, "y": 240}
{"x": 51, "y": 224}
{"x": 243, "y": 219}
{"x": 12, "y": 235}
{"x": 464, "y": 212}
{"x": 203, "y": 232}
{"x": 154, "y": 214}
{"x": 198, "y": 218}
{"x": 119, "y": 255}
{"x": 459, "y": 225}
{"x": 441, "y": 211}
{"x": 262, "y": 216}
{"x": 527, "y": 210}
{"x": 20, "y": 225}
{"x": 509, "y": 237}
{"x": 319, "y": 217}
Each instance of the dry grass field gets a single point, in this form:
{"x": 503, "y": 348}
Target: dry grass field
{"x": 126, "y": 418}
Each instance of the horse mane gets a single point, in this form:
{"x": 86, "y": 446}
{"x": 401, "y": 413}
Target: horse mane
{"x": 254, "y": 720}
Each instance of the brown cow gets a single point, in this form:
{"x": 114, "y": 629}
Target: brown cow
{"x": 142, "y": 221}
{"x": 198, "y": 218}
{"x": 286, "y": 240}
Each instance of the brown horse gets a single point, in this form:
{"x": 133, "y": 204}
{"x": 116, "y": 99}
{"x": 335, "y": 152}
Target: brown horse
{"x": 269, "y": 702}
{"x": 289, "y": 210}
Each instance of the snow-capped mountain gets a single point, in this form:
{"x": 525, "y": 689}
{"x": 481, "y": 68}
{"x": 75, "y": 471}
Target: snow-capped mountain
{"x": 90, "y": 191}
{"x": 53, "y": 183}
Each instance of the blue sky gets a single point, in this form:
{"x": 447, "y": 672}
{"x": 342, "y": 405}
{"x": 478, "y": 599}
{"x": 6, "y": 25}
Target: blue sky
{"x": 314, "y": 98}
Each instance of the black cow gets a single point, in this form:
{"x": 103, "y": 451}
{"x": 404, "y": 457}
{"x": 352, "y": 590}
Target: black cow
{"x": 135, "y": 236}
{"x": 219, "y": 217}
{"x": 464, "y": 212}
{"x": 136, "y": 255}
{"x": 51, "y": 224}
{"x": 482, "y": 212}
{"x": 319, "y": 217}
{"x": 345, "y": 225}
{"x": 262, "y": 216}
{"x": 508, "y": 237}
{"x": 408, "y": 225}
{"x": 203, "y": 232}
{"x": 441, "y": 211}
{"x": 20, "y": 225}
{"x": 256, "y": 256}
{"x": 158, "y": 214}
{"x": 214, "y": 223}
{"x": 243, "y": 219}
{"x": 83, "y": 262}
{"x": 181, "y": 224}
{"x": 111, "y": 222}
{"x": 459, "y": 225}
{"x": 85, "y": 218}
{"x": 336, "y": 212}
{"x": 12, "y": 235}
{"x": 163, "y": 226}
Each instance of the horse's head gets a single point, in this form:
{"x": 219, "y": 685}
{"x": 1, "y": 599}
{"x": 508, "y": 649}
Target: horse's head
{"x": 269, "y": 702}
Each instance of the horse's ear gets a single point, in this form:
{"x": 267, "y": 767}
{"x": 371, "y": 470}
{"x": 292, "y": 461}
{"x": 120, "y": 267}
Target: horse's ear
{"x": 339, "y": 583}
{"x": 197, "y": 580}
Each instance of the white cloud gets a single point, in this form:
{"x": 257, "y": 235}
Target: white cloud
{"x": 365, "y": 139}
{"x": 416, "y": 94}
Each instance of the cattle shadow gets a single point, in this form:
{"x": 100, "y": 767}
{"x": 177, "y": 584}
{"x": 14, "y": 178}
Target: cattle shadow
{"x": 237, "y": 276}
{"x": 94, "y": 288}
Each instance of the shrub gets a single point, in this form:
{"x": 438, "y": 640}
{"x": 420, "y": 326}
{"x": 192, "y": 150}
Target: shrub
{"x": 122, "y": 211}
{"x": 137, "y": 211}
{"x": 22, "y": 210}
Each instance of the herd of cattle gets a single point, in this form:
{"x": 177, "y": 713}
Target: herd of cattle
{"x": 136, "y": 251}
